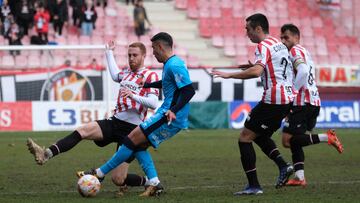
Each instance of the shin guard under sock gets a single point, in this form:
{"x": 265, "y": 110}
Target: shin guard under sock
{"x": 268, "y": 146}
{"x": 65, "y": 143}
{"x": 248, "y": 160}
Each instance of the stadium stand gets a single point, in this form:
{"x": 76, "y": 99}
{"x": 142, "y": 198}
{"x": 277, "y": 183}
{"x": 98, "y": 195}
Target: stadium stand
{"x": 113, "y": 23}
{"x": 223, "y": 22}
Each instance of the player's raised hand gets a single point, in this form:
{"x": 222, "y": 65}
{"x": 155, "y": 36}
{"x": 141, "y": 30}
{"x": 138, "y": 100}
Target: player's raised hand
{"x": 110, "y": 45}
{"x": 170, "y": 116}
{"x": 125, "y": 92}
{"x": 219, "y": 74}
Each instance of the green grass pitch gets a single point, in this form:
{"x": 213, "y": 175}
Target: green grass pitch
{"x": 194, "y": 166}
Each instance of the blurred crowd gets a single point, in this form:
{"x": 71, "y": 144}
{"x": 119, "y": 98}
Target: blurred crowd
{"x": 17, "y": 18}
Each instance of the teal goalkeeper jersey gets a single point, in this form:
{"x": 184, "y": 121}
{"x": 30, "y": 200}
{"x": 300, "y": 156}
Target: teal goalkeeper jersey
{"x": 175, "y": 75}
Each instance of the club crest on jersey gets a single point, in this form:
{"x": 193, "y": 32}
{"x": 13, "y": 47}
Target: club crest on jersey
{"x": 67, "y": 85}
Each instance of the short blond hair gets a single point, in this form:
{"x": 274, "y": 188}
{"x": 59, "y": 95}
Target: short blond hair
{"x": 140, "y": 45}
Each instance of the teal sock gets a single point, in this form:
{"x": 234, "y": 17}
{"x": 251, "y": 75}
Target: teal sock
{"x": 146, "y": 163}
{"x": 119, "y": 157}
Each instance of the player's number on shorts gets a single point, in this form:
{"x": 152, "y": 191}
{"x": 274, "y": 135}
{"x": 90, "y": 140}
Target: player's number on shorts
{"x": 311, "y": 77}
{"x": 284, "y": 63}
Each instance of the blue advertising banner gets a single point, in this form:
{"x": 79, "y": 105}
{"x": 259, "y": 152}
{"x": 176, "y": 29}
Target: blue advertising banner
{"x": 238, "y": 111}
{"x": 339, "y": 114}
{"x": 333, "y": 114}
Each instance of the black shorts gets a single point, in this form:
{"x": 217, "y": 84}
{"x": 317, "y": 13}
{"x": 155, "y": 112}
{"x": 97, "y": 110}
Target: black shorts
{"x": 301, "y": 119}
{"x": 114, "y": 130}
{"x": 265, "y": 119}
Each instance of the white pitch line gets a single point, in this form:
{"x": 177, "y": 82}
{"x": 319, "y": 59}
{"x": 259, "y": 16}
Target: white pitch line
{"x": 182, "y": 187}
{"x": 266, "y": 184}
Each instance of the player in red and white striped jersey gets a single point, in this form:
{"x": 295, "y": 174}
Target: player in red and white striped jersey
{"x": 306, "y": 106}
{"x": 273, "y": 65}
{"x": 308, "y": 93}
{"x": 130, "y": 101}
{"x": 277, "y": 77}
{"x": 132, "y": 105}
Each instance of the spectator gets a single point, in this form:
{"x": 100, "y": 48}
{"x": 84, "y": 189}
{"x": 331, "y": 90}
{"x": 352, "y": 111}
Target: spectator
{"x": 14, "y": 36}
{"x": 102, "y": 3}
{"x": 5, "y": 17}
{"x": 88, "y": 18}
{"x": 67, "y": 63}
{"x": 139, "y": 18}
{"x": 59, "y": 15}
{"x": 24, "y": 15}
{"x": 76, "y": 5}
{"x": 41, "y": 21}
{"x": 94, "y": 65}
{"x": 78, "y": 64}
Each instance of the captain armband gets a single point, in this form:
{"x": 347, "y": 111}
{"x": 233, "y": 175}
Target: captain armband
{"x": 298, "y": 62}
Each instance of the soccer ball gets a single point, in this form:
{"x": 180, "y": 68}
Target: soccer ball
{"x": 88, "y": 186}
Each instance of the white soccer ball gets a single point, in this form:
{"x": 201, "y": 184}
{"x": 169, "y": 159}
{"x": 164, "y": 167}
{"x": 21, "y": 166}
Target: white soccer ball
{"x": 88, "y": 186}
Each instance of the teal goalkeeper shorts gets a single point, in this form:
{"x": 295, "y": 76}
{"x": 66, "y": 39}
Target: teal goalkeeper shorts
{"x": 157, "y": 130}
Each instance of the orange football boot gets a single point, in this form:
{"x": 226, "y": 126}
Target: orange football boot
{"x": 334, "y": 140}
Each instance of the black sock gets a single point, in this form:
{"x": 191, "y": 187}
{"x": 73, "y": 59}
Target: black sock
{"x": 248, "y": 160}
{"x": 134, "y": 180}
{"x": 298, "y": 157}
{"x": 268, "y": 146}
{"x": 65, "y": 143}
{"x": 304, "y": 139}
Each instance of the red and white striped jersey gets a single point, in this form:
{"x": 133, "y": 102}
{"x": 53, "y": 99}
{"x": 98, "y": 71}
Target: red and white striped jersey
{"x": 309, "y": 92}
{"x": 277, "y": 78}
{"x": 132, "y": 80}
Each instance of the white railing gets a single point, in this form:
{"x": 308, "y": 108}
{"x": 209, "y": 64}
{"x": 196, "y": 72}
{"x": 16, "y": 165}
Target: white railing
{"x": 50, "y": 47}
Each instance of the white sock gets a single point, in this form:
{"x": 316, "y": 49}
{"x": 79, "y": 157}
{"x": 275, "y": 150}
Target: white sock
{"x": 300, "y": 174}
{"x": 99, "y": 173}
{"x": 323, "y": 137}
{"x": 48, "y": 153}
{"x": 147, "y": 181}
{"x": 154, "y": 181}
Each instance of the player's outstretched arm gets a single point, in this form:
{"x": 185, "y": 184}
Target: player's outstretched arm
{"x": 185, "y": 95}
{"x": 157, "y": 84}
{"x": 149, "y": 101}
{"x": 111, "y": 63}
{"x": 252, "y": 72}
{"x": 246, "y": 66}
{"x": 220, "y": 74}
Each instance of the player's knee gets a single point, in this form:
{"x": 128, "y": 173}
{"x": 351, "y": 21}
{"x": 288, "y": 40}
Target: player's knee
{"x": 129, "y": 143}
{"x": 89, "y": 131}
{"x": 245, "y": 136}
{"x": 118, "y": 179}
{"x": 82, "y": 130}
{"x": 136, "y": 138}
{"x": 286, "y": 141}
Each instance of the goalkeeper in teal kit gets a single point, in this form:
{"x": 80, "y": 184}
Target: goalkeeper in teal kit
{"x": 168, "y": 120}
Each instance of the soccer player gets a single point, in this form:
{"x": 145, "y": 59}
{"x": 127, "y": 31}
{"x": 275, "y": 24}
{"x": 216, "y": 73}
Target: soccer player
{"x": 169, "y": 119}
{"x": 273, "y": 65}
{"x": 306, "y": 106}
{"x": 131, "y": 109}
